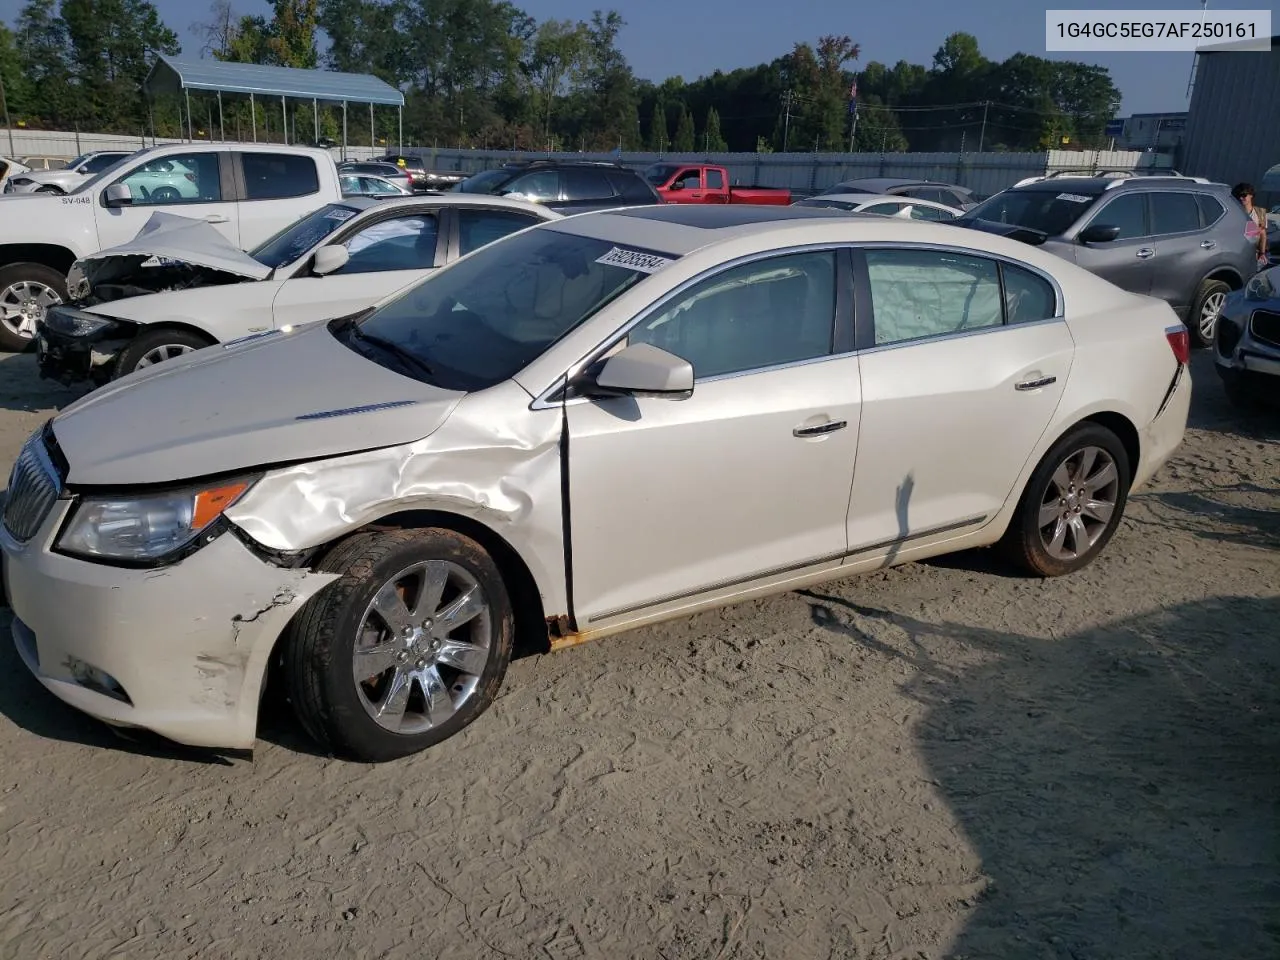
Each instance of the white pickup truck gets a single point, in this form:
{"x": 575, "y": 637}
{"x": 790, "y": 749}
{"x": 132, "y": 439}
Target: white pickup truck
{"x": 248, "y": 191}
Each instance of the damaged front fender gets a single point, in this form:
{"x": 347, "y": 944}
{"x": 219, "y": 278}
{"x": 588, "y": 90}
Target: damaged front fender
{"x": 493, "y": 461}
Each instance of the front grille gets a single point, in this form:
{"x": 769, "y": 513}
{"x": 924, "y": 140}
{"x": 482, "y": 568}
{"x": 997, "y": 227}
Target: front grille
{"x": 33, "y": 489}
{"x": 1265, "y": 326}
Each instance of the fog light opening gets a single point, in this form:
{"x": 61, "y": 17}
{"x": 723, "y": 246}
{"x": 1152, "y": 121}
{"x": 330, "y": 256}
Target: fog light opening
{"x": 99, "y": 681}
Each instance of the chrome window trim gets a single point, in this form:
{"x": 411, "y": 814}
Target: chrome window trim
{"x": 543, "y": 400}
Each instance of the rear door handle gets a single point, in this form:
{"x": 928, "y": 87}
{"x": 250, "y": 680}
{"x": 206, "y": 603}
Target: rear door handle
{"x": 1035, "y": 384}
{"x": 831, "y": 426}
{"x": 216, "y": 218}
{"x": 1208, "y": 244}
{"x": 1146, "y": 253}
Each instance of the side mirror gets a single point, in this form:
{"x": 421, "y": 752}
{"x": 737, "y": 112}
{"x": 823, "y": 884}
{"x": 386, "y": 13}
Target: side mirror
{"x": 330, "y": 258}
{"x": 119, "y": 195}
{"x": 643, "y": 370}
{"x": 678, "y": 185}
{"x": 1099, "y": 233}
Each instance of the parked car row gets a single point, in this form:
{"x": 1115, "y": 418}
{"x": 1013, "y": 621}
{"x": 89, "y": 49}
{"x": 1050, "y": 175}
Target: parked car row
{"x": 552, "y": 434}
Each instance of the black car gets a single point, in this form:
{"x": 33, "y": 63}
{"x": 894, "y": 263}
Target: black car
{"x": 422, "y": 177}
{"x": 566, "y": 186}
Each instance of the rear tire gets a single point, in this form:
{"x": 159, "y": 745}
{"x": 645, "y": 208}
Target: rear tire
{"x": 156, "y": 346}
{"x": 1206, "y": 308}
{"x": 447, "y": 674}
{"x": 1072, "y": 505}
{"x": 19, "y": 283}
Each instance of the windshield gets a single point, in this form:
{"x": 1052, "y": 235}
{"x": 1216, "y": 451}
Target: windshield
{"x": 103, "y": 174}
{"x": 301, "y": 235}
{"x": 490, "y": 182}
{"x": 660, "y": 173}
{"x": 481, "y": 320}
{"x": 1048, "y": 211}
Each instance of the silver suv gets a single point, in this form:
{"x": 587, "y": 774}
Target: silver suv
{"x": 1181, "y": 239}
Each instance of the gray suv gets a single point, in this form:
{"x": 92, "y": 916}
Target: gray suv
{"x": 1181, "y": 239}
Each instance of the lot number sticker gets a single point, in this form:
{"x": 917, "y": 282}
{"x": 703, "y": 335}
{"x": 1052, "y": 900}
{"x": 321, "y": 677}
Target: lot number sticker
{"x": 1074, "y": 197}
{"x": 633, "y": 260}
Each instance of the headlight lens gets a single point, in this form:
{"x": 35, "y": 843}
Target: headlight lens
{"x": 149, "y": 527}
{"x": 1261, "y": 286}
{"x": 71, "y": 322}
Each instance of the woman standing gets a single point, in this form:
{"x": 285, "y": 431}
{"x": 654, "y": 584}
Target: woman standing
{"x": 1257, "y": 229}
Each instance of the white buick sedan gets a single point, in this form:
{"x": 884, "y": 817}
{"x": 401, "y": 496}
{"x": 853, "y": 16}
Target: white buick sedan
{"x": 597, "y": 423}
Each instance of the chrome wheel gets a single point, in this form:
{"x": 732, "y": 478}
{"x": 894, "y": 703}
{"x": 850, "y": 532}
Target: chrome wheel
{"x": 422, "y": 646}
{"x": 24, "y": 303}
{"x": 166, "y": 351}
{"x": 1210, "y": 310}
{"x": 1078, "y": 503}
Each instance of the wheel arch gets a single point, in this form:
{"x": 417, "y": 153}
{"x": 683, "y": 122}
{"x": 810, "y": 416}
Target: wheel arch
{"x": 1228, "y": 275}
{"x": 52, "y": 255}
{"x": 185, "y": 326}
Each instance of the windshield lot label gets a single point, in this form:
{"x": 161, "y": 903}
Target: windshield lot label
{"x": 634, "y": 260}
{"x": 1074, "y": 197}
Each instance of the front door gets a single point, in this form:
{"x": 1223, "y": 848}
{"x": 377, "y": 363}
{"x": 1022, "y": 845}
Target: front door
{"x": 686, "y": 187}
{"x": 187, "y": 184}
{"x": 750, "y": 476}
{"x": 1128, "y": 260}
{"x": 386, "y": 255}
{"x": 958, "y": 385}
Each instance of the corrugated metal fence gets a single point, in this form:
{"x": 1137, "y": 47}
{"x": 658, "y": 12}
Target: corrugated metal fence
{"x": 984, "y": 173}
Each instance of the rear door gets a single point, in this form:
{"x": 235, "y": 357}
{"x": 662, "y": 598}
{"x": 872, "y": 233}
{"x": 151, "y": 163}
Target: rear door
{"x": 205, "y": 191}
{"x": 965, "y": 359}
{"x": 275, "y": 189}
{"x": 386, "y": 253}
{"x": 584, "y": 189}
{"x": 1183, "y": 250}
{"x": 715, "y": 189}
{"x": 1127, "y": 261}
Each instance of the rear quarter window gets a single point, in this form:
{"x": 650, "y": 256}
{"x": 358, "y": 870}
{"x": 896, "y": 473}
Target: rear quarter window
{"x": 1211, "y": 211}
{"x": 631, "y": 187}
{"x": 279, "y": 176}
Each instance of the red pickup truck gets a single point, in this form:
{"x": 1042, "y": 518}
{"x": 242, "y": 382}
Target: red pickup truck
{"x": 699, "y": 183}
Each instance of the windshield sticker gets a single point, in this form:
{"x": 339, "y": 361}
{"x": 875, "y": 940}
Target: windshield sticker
{"x": 1074, "y": 197}
{"x": 340, "y": 214}
{"x": 634, "y": 260}
{"x": 158, "y": 261}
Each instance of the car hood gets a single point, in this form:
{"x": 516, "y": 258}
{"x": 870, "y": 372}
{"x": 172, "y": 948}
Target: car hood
{"x": 168, "y": 238}
{"x": 264, "y": 400}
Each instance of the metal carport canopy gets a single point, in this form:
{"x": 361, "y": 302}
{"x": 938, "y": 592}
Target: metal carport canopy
{"x": 252, "y": 79}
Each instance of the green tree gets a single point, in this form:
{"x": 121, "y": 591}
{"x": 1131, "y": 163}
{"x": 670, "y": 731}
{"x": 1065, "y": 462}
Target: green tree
{"x": 686, "y": 136}
{"x": 712, "y": 138}
{"x": 658, "y": 129}
{"x": 43, "y": 56}
{"x": 292, "y": 33}
{"x": 557, "y": 54}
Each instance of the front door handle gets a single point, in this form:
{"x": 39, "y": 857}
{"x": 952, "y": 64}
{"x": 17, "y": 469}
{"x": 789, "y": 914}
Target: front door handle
{"x": 1146, "y": 253}
{"x": 1035, "y": 384}
{"x": 831, "y": 426}
{"x": 216, "y": 218}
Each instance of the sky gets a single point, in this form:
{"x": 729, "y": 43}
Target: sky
{"x": 674, "y": 37}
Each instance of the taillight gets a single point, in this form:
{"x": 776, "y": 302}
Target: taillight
{"x": 1180, "y": 343}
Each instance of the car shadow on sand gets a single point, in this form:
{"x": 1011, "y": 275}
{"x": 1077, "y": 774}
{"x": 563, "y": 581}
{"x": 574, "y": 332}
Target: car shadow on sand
{"x": 1119, "y": 785}
{"x": 22, "y": 389}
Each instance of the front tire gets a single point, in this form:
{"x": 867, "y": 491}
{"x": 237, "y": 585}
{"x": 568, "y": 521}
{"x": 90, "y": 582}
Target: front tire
{"x": 1072, "y": 505}
{"x": 156, "y": 346}
{"x": 27, "y": 291}
{"x": 1206, "y": 308}
{"x": 406, "y": 649}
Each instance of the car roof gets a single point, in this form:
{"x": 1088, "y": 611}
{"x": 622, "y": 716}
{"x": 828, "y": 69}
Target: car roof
{"x": 879, "y": 184}
{"x": 450, "y": 199}
{"x": 868, "y": 198}
{"x": 679, "y": 229}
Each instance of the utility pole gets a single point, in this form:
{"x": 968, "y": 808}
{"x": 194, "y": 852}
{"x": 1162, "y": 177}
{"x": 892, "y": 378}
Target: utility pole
{"x": 983, "y": 135}
{"x": 4, "y": 101}
{"x": 786, "y": 123}
{"x": 1191, "y": 80}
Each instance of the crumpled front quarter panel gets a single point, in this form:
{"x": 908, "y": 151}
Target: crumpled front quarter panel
{"x": 494, "y": 461}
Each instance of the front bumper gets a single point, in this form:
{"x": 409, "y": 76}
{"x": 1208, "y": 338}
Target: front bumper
{"x": 69, "y": 358}
{"x": 1249, "y": 356}
{"x": 180, "y": 650}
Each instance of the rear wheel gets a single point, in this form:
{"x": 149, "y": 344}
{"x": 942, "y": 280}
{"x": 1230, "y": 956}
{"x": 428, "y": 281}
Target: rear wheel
{"x": 1072, "y": 504}
{"x": 156, "y": 346}
{"x": 1205, "y": 311}
{"x": 27, "y": 291}
{"x": 409, "y": 646}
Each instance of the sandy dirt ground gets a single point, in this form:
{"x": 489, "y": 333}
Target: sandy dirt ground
{"x": 937, "y": 761}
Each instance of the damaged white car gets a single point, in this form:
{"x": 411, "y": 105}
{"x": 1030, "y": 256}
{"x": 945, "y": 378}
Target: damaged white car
{"x": 588, "y": 426}
{"x": 148, "y": 300}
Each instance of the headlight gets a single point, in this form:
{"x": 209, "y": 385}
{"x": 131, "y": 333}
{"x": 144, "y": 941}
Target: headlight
{"x": 71, "y": 322}
{"x": 1260, "y": 286}
{"x": 148, "y": 527}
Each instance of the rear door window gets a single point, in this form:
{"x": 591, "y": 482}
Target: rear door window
{"x": 715, "y": 180}
{"x": 1174, "y": 213}
{"x": 477, "y": 228}
{"x": 585, "y": 185}
{"x": 542, "y": 185}
{"x": 278, "y": 176}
